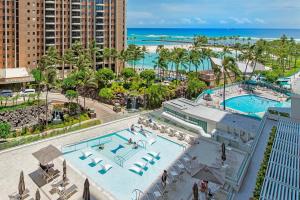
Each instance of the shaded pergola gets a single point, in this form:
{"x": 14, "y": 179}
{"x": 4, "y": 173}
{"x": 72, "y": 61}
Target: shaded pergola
{"x": 47, "y": 154}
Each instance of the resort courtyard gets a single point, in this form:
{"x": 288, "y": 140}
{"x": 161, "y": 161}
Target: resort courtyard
{"x": 200, "y": 150}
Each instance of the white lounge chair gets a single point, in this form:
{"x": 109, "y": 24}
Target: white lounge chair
{"x": 148, "y": 158}
{"x": 142, "y": 165}
{"x": 96, "y": 160}
{"x": 105, "y": 167}
{"x": 154, "y": 154}
{"x": 86, "y": 153}
{"x": 136, "y": 169}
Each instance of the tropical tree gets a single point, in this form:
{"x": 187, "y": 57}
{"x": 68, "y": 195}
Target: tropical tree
{"x": 195, "y": 58}
{"x": 94, "y": 52}
{"x": 155, "y": 95}
{"x": 127, "y": 74}
{"x": 47, "y": 66}
{"x": 162, "y": 59}
{"x": 225, "y": 71}
{"x": 148, "y": 75}
{"x": 105, "y": 75}
{"x": 71, "y": 95}
{"x": 179, "y": 59}
{"x": 135, "y": 54}
{"x": 106, "y": 94}
{"x": 109, "y": 54}
{"x": 194, "y": 86}
{"x": 86, "y": 79}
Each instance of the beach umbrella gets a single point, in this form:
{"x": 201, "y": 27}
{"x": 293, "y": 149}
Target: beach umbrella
{"x": 223, "y": 157}
{"x": 195, "y": 192}
{"x": 64, "y": 170}
{"x": 37, "y": 195}
{"x": 86, "y": 190}
{"x": 21, "y": 184}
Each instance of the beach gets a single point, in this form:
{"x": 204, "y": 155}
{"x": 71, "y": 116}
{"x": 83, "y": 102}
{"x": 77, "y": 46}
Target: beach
{"x": 152, "y": 48}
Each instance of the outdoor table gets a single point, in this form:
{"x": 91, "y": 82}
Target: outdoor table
{"x": 173, "y": 173}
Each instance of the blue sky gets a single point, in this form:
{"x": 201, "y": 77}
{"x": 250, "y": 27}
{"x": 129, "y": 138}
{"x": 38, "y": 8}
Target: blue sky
{"x": 214, "y": 13}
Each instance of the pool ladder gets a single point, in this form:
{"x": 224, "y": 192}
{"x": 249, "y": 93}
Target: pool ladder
{"x": 137, "y": 194}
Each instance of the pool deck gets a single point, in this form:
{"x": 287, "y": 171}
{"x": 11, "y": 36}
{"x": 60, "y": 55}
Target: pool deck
{"x": 234, "y": 91}
{"x": 20, "y": 158}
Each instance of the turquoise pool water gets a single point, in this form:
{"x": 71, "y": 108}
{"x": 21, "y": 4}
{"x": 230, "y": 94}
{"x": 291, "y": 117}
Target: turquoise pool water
{"x": 119, "y": 180}
{"x": 252, "y": 104}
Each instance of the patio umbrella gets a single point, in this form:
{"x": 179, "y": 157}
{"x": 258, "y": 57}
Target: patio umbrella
{"x": 195, "y": 192}
{"x": 64, "y": 170}
{"x": 47, "y": 154}
{"x": 37, "y": 195}
{"x": 86, "y": 190}
{"x": 223, "y": 157}
{"x": 21, "y": 184}
{"x": 209, "y": 173}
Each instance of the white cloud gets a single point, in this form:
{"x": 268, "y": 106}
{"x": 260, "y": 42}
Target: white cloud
{"x": 241, "y": 20}
{"x": 223, "y": 22}
{"x": 260, "y": 21}
{"x": 186, "y": 21}
{"x": 200, "y": 20}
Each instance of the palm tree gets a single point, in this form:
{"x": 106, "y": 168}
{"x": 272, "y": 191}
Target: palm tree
{"x": 247, "y": 55}
{"x": 228, "y": 68}
{"x": 194, "y": 57}
{"x": 94, "y": 51}
{"x": 180, "y": 60}
{"x": 48, "y": 68}
{"x": 144, "y": 52}
{"x": 87, "y": 79}
{"x": 161, "y": 61}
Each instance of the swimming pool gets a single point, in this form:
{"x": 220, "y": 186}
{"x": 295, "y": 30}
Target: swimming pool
{"x": 253, "y": 105}
{"x": 119, "y": 180}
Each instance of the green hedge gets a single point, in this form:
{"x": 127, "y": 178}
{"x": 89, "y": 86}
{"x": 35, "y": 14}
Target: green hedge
{"x": 264, "y": 165}
{"x": 25, "y": 140}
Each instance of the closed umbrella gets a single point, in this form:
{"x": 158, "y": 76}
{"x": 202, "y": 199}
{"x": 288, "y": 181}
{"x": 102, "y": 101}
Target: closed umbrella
{"x": 64, "y": 170}
{"x": 223, "y": 157}
{"x": 21, "y": 184}
{"x": 37, "y": 195}
{"x": 195, "y": 191}
{"x": 86, "y": 190}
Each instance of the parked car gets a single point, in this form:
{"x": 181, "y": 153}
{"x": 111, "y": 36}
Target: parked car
{"x": 6, "y": 93}
{"x": 26, "y": 92}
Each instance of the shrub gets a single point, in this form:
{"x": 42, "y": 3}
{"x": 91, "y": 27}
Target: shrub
{"x": 4, "y": 129}
{"x": 106, "y": 93}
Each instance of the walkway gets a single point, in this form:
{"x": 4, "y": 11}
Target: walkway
{"x": 296, "y": 86}
{"x": 249, "y": 181}
{"x": 104, "y": 112}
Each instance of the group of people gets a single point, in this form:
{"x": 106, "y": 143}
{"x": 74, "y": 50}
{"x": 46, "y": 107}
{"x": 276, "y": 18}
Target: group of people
{"x": 135, "y": 145}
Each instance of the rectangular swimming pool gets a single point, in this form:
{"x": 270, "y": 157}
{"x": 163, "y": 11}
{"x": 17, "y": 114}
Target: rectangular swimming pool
{"x": 119, "y": 180}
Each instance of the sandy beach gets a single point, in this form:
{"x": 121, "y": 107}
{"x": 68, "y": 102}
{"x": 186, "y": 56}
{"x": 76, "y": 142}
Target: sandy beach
{"x": 152, "y": 48}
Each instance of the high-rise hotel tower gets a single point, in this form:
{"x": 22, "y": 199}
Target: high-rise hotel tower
{"x": 29, "y": 27}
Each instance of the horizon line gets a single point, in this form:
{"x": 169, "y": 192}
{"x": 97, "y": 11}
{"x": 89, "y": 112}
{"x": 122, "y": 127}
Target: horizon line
{"x": 208, "y": 28}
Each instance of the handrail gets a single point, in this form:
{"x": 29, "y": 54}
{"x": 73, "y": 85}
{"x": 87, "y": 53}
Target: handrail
{"x": 138, "y": 194}
{"x": 94, "y": 142}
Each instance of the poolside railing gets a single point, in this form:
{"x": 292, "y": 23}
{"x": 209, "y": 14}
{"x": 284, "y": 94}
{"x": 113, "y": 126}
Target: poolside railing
{"x": 85, "y": 144}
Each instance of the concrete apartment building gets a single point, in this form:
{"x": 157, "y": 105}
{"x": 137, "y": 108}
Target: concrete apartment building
{"x": 29, "y": 27}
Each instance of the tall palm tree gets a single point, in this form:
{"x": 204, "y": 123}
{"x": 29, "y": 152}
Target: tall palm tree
{"x": 180, "y": 59}
{"x": 48, "y": 67}
{"x": 194, "y": 58}
{"x": 161, "y": 61}
{"x": 225, "y": 71}
{"x": 94, "y": 51}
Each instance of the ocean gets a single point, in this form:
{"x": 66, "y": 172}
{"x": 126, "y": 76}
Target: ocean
{"x": 170, "y": 36}
{"x": 147, "y": 36}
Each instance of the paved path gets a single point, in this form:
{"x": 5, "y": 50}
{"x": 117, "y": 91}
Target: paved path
{"x": 249, "y": 181}
{"x": 296, "y": 86}
{"x": 104, "y": 112}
